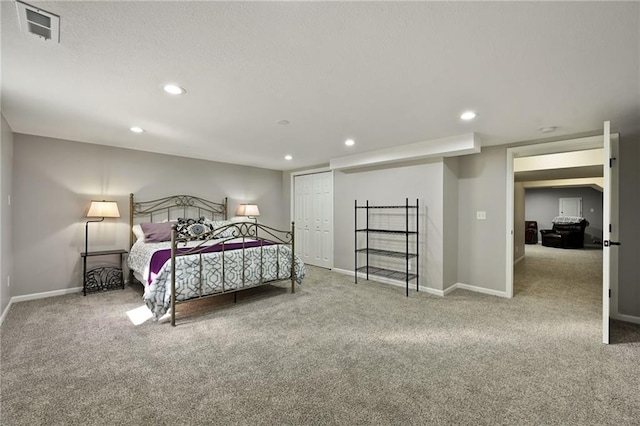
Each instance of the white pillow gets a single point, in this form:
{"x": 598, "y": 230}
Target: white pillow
{"x": 215, "y": 224}
{"x": 138, "y": 232}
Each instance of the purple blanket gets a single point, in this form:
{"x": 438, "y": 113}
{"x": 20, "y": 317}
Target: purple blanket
{"x": 160, "y": 257}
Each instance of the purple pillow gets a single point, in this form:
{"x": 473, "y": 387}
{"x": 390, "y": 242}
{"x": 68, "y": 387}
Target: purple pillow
{"x": 156, "y": 232}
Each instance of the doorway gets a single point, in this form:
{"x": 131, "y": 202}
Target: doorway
{"x": 594, "y": 142}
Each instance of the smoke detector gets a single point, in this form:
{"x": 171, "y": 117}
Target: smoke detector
{"x": 42, "y": 24}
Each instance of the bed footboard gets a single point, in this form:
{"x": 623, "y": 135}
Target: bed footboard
{"x": 250, "y": 255}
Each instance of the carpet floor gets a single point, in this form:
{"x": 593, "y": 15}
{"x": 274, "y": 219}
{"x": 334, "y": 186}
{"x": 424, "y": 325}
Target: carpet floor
{"x": 332, "y": 353}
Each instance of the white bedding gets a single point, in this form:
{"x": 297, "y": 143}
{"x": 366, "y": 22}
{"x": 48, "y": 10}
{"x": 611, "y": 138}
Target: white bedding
{"x": 242, "y": 269}
{"x": 141, "y": 253}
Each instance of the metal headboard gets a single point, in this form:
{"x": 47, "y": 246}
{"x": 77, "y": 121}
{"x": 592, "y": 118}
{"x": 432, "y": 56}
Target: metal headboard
{"x": 172, "y": 207}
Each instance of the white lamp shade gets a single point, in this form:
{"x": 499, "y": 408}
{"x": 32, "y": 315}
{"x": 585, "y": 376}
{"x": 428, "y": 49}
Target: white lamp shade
{"x": 250, "y": 210}
{"x": 103, "y": 209}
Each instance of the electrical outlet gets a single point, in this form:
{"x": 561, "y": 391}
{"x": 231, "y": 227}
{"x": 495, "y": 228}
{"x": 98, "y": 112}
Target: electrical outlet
{"x": 481, "y": 215}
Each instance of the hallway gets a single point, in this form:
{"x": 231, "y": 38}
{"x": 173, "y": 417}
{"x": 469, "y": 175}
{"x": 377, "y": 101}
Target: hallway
{"x": 570, "y": 281}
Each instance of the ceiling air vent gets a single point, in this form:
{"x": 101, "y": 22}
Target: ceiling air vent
{"x": 38, "y": 22}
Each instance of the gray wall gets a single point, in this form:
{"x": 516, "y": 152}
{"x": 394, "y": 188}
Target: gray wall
{"x": 482, "y": 249}
{"x": 629, "y": 252}
{"x": 450, "y": 222}
{"x": 54, "y": 181}
{"x": 391, "y": 186}
{"x": 542, "y": 205}
{"x": 482, "y": 246}
{"x": 518, "y": 220}
{"x": 6, "y": 172}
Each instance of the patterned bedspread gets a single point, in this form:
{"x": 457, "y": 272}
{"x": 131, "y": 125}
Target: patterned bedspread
{"x": 242, "y": 269}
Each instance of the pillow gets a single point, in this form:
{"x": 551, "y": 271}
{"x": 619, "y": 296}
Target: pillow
{"x": 138, "y": 232}
{"x": 215, "y": 224}
{"x": 156, "y": 232}
{"x": 193, "y": 229}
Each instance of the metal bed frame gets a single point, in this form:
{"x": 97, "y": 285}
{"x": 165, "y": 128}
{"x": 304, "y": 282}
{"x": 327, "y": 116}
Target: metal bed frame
{"x": 169, "y": 208}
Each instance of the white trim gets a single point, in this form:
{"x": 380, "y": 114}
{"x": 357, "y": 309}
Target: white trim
{"x": 311, "y": 171}
{"x": 395, "y": 283}
{"x": 477, "y": 289}
{"x": 45, "y": 294}
{"x": 444, "y": 147}
{"x": 515, "y": 262}
{"x": 449, "y": 289}
{"x": 625, "y": 318}
{"x": 510, "y": 222}
{"x": 34, "y": 296}
{"x": 6, "y": 311}
{"x": 428, "y": 290}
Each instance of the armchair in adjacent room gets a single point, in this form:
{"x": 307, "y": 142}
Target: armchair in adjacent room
{"x": 567, "y": 232}
{"x": 530, "y": 232}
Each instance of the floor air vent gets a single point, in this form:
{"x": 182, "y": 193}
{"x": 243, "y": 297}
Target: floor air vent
{"x": 42, "y": 24}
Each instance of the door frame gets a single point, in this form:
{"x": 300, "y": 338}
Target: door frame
{"x": 568, "y": 145}
{"x": 292, "y": 197}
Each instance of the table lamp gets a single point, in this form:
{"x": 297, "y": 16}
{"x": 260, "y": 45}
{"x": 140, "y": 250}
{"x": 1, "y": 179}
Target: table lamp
{"x": 249, "y": 210}
{"x": 99, "y": 209}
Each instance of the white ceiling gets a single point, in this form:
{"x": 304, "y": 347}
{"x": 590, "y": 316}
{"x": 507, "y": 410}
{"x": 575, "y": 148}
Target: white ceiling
{"x": 383, "y": 73}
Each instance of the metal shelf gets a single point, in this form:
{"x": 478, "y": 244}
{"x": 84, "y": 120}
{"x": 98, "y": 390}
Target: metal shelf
{"x": 387, "y": 231}
{"x": 386, "y": 207}
{"x": 409, "y": 231}
{"x": 388, "y": 253}
{"x": 387, "y": 273}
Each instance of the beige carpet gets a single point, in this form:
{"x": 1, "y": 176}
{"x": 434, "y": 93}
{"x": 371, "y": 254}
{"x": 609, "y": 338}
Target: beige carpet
{"x": 332, "y": 353}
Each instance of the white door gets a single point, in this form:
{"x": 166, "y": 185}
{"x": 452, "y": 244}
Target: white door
{"x": 325, "y": 213}
{"x": 314, "y": 218}
{"x": 609, "y": 227}
{"x": 570, "y": 207}
{"x": 302, "y": 192}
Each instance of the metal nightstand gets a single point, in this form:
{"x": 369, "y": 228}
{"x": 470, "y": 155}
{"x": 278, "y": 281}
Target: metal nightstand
{"x": 102, "y": 278}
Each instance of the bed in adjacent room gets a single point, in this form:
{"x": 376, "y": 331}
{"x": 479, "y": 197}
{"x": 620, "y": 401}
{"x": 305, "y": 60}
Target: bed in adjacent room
{"x": 184, "y": 248}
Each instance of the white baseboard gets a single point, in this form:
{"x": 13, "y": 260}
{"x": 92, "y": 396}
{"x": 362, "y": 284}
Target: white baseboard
{"x": 388, "y": 281}
{"x": 518, "y": 259}
{"x": 6, "y": 311}
{"x": 431, "y": 290}
{"x": 449, "y": 289}
{"x": 35, "y": 296}
{"x": 477, "y": 289}
{"x": 626, "y": 318}
{"x": 343, "y": 271}
{"x": 45, "y": 294}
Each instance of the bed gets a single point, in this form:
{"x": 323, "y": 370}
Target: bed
{"x": 184, "y": 248}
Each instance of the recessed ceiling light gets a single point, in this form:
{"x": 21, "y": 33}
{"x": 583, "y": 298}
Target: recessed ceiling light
{"x": 288, "y": 157}
{"x": 349, "y": 142}
{"x": 283, "y": 122}
{"x": 547, "y": 129}
{"x": 174, "y": 89}
{"x": 468, "y": 115}
{"x": 136, "y": 129}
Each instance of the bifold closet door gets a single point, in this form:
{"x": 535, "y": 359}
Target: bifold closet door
{"x": 314, "y": 218}
{"x": 303, "y": 192}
